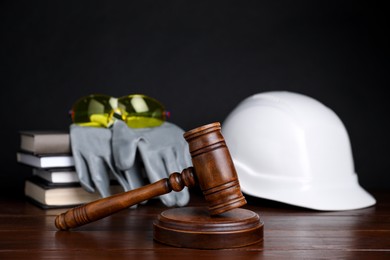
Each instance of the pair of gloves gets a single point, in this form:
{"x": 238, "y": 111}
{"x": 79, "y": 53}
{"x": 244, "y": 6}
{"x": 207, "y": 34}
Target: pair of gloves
{"x": 133, "y": 156}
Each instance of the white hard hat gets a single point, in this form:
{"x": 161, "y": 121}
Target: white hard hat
{"x": 290, "y": 148}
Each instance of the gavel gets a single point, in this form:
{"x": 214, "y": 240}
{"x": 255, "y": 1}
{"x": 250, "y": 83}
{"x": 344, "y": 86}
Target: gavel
{"x": 213, "y": 170}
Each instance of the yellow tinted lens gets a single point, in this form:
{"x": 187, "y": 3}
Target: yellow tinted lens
{"x": 92, "y": 110}
{"x": 141, "y": 111}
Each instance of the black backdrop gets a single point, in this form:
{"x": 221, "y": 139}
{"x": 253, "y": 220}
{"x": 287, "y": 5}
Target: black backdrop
{"x": 199, "y": 58}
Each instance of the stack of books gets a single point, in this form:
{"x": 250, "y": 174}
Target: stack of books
{"x": 54, "y": 182}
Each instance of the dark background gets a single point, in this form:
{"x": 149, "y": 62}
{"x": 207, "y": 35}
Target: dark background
{"x": 199, "y": 58}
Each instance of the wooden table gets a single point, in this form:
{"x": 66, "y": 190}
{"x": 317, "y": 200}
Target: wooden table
{"x": 28, "y": 232}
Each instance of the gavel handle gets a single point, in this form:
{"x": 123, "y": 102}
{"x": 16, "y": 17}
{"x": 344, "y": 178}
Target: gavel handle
{"x": 104, "y": 207}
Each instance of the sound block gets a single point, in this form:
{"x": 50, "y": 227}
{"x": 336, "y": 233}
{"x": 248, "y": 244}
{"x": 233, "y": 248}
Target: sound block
{"x": 193, "y": 227}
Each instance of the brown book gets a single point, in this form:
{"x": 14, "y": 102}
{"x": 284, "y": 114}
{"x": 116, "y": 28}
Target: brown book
{"x": 51, "y": 195}
{"x": 45, "y": 142}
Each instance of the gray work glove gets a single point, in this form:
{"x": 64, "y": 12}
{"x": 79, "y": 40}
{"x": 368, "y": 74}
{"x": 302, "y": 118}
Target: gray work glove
{"x": 92, "y": 153}
{"x": 163, "y": 150}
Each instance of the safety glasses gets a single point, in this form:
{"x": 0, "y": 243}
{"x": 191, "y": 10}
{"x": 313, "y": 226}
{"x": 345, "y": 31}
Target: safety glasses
{"x": 137, "y": 111}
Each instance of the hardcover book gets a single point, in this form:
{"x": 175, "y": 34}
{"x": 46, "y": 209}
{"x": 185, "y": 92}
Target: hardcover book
{"x": 50, "y": 195}
{"x": 57, "y": 175}
{"x": 61, "y": 175}
{"x": 45, "y": 160}
{"x": 45, "y": 142}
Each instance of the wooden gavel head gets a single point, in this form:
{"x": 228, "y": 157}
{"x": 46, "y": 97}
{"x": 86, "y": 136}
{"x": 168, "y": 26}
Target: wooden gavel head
{"x": 214, "y": 168}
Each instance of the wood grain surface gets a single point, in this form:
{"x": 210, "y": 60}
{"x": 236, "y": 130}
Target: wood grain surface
{"x": 28, "y": 232}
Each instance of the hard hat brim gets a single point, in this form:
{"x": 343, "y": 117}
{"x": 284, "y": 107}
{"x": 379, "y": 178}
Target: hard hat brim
{"x": 331, "y": 196}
